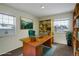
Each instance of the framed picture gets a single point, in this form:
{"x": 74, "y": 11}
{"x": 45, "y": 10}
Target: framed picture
{"x": 26, "y": 23}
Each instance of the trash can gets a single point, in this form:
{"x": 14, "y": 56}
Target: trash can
{"x": 69, "y": 38}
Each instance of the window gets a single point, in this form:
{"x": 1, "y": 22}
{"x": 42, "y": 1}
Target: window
{"x": 7, "y": 22}
{"x": 61, "y": 25}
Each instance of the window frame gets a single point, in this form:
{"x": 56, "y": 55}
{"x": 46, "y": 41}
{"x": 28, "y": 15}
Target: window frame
{"x": 3, "y": 24}
{"x": 63, "y": 19}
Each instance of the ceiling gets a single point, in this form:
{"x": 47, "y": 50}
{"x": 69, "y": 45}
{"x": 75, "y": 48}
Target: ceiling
{"x": 50, "y": 8}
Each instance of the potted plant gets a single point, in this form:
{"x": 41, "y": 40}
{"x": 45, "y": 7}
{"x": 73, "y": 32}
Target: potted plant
{"x": 69, "y": 38}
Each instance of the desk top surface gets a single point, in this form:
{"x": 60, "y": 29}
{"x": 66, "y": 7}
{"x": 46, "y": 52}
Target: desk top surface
{"x": 39, "y": 40}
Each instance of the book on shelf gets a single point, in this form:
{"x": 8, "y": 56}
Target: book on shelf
{"x": 77, "y": 23}
{"x": 78, "y": 36}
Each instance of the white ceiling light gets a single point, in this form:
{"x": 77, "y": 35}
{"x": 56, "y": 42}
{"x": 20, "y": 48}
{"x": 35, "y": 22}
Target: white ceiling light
{"x": 42, "y": 7}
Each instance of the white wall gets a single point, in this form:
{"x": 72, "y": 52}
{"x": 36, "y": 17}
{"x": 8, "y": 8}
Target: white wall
{"x": 9, "y": 43}
{"x": 61, "y": 36}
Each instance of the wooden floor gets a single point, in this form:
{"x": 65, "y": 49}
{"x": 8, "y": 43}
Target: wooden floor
{"x": 15, "y": 52}
{"x": 59, "y": 50}
{"x": 56, "y": 50}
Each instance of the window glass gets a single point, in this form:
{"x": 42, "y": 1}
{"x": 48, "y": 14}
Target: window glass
{"x": 0, "y": 21}
{"x": 61, "y": 25}
{"x": 5, "y": 16}
{"x": 6, "y": 21}
{"x": 11, "y": 21}
{"x": 1, "y": 16}
{"x": 10, "y": 17}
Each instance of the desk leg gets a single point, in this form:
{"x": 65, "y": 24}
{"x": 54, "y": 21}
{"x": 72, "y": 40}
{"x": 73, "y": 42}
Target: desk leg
{"x": 29, "y": 50}
{"x": 39, "y": 50}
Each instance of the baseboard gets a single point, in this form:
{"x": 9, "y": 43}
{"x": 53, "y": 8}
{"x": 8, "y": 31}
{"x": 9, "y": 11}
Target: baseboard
{"x": 60, "y": 43}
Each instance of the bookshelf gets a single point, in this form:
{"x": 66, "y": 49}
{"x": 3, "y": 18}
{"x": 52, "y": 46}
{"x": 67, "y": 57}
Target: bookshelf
{"x": 44, "y": 27}
{"x": 76, "y": 30}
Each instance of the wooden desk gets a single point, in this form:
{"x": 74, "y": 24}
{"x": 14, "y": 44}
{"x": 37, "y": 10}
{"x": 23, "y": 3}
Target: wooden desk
{"x": 31, "y": 48}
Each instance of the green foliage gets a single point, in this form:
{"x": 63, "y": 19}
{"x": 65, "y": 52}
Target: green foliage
{"x": 69, "y": 35}
{"x": 26, "y": 25}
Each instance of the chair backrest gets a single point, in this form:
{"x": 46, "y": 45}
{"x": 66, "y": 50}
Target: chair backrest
{"x": 31, "y": 33}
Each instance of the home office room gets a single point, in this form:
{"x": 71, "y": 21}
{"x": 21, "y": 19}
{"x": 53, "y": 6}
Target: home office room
{"x": 37, "y": 29}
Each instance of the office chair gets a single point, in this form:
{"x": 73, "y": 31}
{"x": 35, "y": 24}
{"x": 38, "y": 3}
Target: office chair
{"x": 31, "y": 33}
